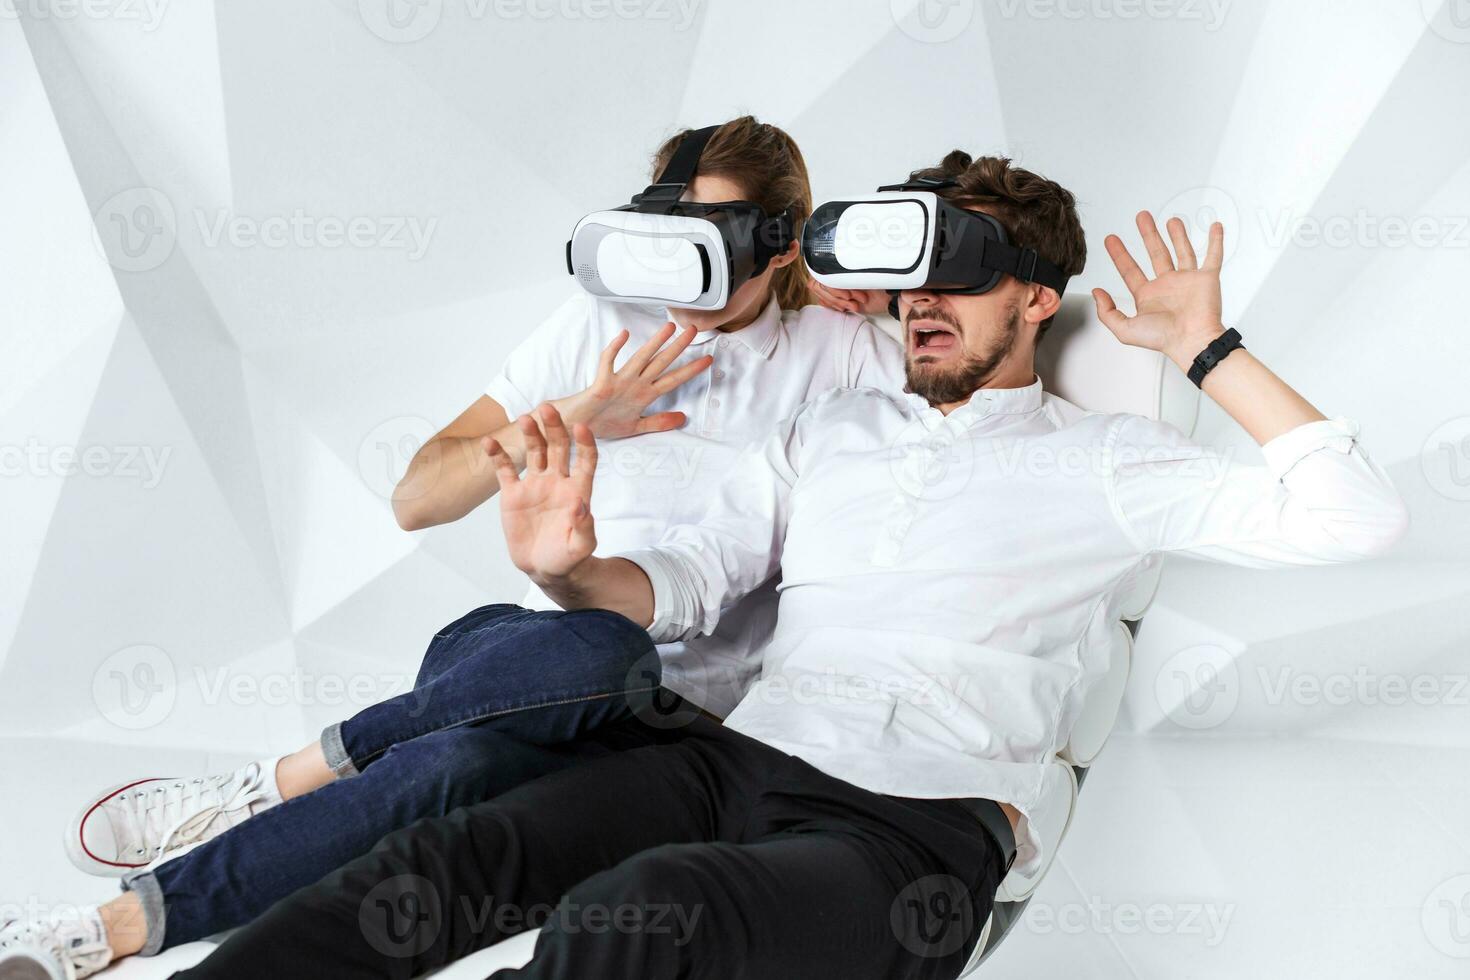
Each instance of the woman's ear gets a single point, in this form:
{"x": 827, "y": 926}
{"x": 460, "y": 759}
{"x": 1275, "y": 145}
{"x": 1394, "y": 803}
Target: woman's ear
{"x": 788, "y": 256}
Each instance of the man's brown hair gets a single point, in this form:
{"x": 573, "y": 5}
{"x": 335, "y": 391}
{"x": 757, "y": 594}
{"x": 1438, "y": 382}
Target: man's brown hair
{"x": 768, "y": 166}
{"x": 1037, "y": 213}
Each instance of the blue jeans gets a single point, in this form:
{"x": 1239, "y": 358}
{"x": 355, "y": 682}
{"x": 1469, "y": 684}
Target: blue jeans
{"x": 505, "y": 695}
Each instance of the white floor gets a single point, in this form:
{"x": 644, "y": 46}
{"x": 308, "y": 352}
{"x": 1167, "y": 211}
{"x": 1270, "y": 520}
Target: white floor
{"x": 1190, "y": 857}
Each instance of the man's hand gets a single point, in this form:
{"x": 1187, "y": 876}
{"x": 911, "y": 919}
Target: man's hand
{"x": 547, "y": 511}
{"x": 1179, "y": 311}
{"x": 613, "y": 406}
{"x": 869, "y": 302}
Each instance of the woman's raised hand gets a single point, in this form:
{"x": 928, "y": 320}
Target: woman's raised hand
{"x": 613, "y": 406}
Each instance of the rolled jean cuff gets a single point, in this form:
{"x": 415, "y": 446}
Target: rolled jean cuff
{"x": 335, "y": 752}
{"x": 150, "y": 894}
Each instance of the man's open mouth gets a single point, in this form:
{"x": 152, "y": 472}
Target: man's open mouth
{"x": 932, "y": 337}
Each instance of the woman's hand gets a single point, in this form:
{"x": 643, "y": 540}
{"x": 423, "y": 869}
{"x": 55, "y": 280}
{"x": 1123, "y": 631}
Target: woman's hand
{"x": 546, "y": 511}
{"x": 1179, "y": 310}
{"x": 867, "y": 302}
{"x": 613, "y": 406}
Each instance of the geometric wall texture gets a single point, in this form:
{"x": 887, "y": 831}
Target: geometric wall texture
{"x": 252, "y": 254}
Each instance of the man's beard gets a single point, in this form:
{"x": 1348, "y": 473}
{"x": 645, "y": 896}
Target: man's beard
{"x": 940, "y": 385}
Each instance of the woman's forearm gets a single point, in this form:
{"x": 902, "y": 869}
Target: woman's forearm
{"x": 449, "y": 477}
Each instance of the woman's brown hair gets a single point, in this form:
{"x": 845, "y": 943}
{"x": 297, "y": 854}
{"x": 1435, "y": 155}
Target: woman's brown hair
{"x": 768, "y": 166}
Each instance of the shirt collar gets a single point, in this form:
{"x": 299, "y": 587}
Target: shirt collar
{"x": 759, "y": 335}
{"x": 983, "y": 403}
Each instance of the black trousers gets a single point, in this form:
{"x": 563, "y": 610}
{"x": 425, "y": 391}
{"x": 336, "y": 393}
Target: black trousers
{"x": 711, "y": 855}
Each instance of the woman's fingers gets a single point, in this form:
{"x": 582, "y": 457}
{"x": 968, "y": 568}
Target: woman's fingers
{"x": 662, "y": 422}
{"x": 675, "y": 378}
{"x": 669, "y": 352}
{"x": 1183, "y": 248}
{"x": 1133, "y": 276}
{"x": 558, "y": 445}
{"x": 644, "y": 354}
{"x": 535, "y": 444}
{"x": 1158, "y": 252}
{"x": 610, "y": 354}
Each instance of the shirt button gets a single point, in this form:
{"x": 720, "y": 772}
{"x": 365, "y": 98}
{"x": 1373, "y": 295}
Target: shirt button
{"x": 724, "y": 342}
{"x": 714, "y": 403}
{"x": 719, "y": 375}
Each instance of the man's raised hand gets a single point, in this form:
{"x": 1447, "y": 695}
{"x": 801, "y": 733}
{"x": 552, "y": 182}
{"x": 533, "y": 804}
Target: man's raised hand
{"x": 614, "y": 404}
{"x": 1179, "y": 309}
{"x": 547, "y": 511}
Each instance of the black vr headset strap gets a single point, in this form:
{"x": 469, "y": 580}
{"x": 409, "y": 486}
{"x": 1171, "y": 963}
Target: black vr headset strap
{"x": 1023, "y": 263}
{"x": 669, "y": 185}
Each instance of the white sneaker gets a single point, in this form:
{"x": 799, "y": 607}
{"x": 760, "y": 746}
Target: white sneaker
{"x": 150, "y": 821}
{"x": 61, "y": 947}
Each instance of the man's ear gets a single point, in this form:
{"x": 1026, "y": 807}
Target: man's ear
{"x": 1042, "y": 303}
{"x": 787, "y": 257}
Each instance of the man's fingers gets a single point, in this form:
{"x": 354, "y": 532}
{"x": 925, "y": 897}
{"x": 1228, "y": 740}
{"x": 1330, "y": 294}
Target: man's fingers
{"x": 1133, "y": 277}
{"x": 610, "y": 354}
{"x": 586, "y": 463}
{"x": 1158, "y": 252}
{"x": 535, "y": 444}
{"x": 674, "y": 379}
{"x": 1215, "y": 253}
{"x": 558, "y": 449}
{"x": 662, "y": 422}
{"x": 1107, "y": 311}
{"x": 644, "y": 354}
{"x": 670, "y": 351}
{"x": 505, "y": 470}
{"x": 1183, "y": 248}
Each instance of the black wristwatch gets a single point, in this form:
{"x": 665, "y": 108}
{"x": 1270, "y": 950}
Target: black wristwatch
{"x": 1214, "y": 354}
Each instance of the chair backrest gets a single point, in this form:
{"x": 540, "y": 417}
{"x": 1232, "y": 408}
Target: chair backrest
{"x": 1081, "y": 361}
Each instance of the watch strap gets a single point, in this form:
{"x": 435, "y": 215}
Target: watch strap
{"x": 1213, "y": 354}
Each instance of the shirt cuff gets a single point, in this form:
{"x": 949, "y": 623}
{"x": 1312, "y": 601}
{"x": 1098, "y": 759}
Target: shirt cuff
{"x": 1290, "y": 448}
{"x": 672, "y": 614}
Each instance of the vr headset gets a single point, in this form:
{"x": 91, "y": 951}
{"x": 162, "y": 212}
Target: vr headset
{"x": 659, "y": 249}
{"x": 905, "y": 236}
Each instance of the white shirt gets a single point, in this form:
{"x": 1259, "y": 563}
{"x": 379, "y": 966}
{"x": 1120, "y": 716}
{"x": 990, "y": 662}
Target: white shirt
{"x": 647, "y": 484}
{"x": 949, "y": 584}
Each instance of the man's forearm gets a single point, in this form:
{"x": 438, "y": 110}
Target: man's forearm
{"x": 604, "y": 583}
{"x": 1263, "y": 404}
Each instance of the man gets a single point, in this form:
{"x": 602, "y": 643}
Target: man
{"x": 949, "y": 575}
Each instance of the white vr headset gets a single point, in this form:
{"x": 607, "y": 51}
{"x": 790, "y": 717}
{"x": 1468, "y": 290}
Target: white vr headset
{"x": 905, "y": 236}
{"x": 660, "y": 249}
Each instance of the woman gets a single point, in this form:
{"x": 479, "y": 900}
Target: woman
{"x": 506, "y": 693}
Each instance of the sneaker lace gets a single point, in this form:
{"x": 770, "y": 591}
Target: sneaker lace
{"x": 180, "y": 813}
{"x": 79, "y": 952}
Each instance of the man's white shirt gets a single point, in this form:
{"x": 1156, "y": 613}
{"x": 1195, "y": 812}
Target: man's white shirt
{"x": 647, "y": 484}
{"x": 949, "y": 584}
